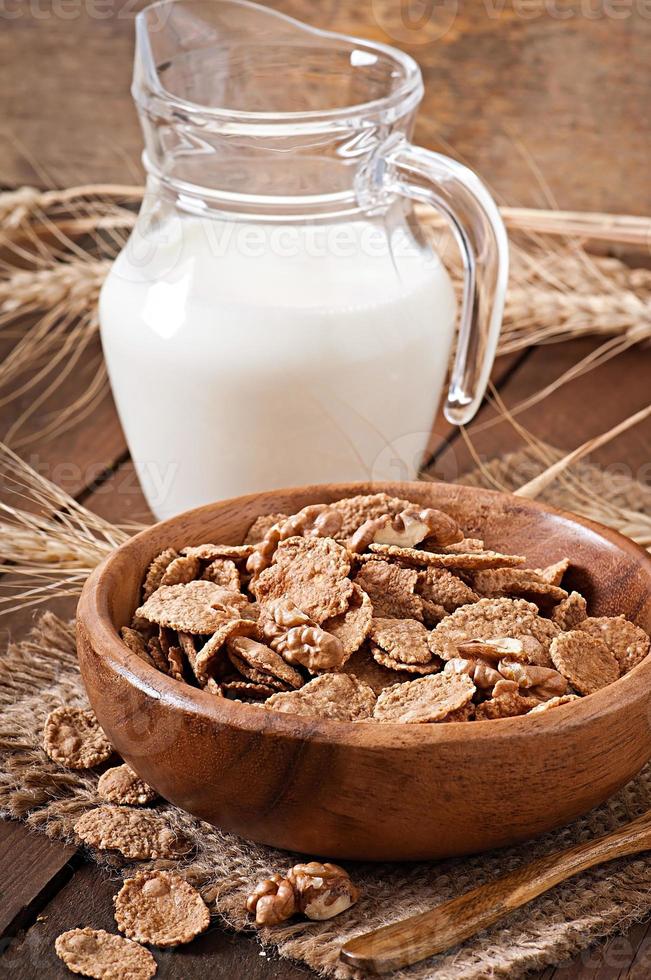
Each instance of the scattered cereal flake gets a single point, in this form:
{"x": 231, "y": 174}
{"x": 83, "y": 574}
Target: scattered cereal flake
{"x": 176, "y": 662}
{"x": 208, "y": 552}
{"x": 122, "y": 785}
{"x": 432, "y": 613}
{"x": 160, "y": 908}
{"x": 137, "y": 834}
{"x": 166, "y": 639}
{"x": 247, "y": 673}
{"x": 523, "y": 582}
{"x": 467, "y": 713}
{"x": 553, "y": 703}
{"x": 425, "y": 699}
{"x": 142, "y": 626}
{"x": 467, "y": 546}
{"x": 386, "y": 660}
{"x": 247, "y": 689}
{"x": 313, "y": 572}
{"x": 405, "y": 640}
{"x": 261, "y": 525}
{"x": 628, "y": 643}
{"x": 554, "y": 573}
{"x": 391, "y": 589}
{"x": 584, "y": 660}
{"x": 74, "y": 738}
{"x": 355, "y": 511}
{"x": 156, "y": 570}
{"x": 197, "y": 607}
{"x": 264, "y": 659}
{"x": 339, "y": 697}
{"x": 137, "y": 644}
{"x": 181, "y": 570}
{"x": 352, "y": 627}
{"x": 471, "y": 560}
{"x": 570, "y": 612}
{"x": 491, "y": 618}
{"x": 364, "y": 667}
{"x": 508, "y": 705}
{"x": 445, "y": 589}
{"x": 99, "y": 954}
{"x": 204, "y": 658}
{"x": 223, "y": 571}
{"x": 156, "y": 654}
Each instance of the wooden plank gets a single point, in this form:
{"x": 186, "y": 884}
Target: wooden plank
{"x": 86, "y": 900}
{"x": 609, "y": 960}
{"x": 31, "y": 867}
{"x": 501, "y": 88}
{"x": 578, "y": 411}
{"x": 640, "y": 968}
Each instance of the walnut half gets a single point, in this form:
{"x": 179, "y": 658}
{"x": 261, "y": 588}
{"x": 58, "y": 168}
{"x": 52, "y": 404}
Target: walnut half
{"x": 315, "y": 521}
{"x": 272, "y": 901}
{"x": 311, "y": 647}
{"x": 407, "y": 529}
{"x": 322, "y": 890}
{"x": 299, "y": 640}
{"x": 319, "y": 891}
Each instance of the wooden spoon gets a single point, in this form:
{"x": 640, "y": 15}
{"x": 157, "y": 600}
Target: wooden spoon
{"x": 427, "y": 933}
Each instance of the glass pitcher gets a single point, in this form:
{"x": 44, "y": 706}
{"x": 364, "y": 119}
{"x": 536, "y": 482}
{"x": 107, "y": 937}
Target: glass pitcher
{"x": 277, "y": 316}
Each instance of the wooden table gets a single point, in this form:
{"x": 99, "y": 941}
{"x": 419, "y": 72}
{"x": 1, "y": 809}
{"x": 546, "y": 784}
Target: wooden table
{"x": 560, "y": 87}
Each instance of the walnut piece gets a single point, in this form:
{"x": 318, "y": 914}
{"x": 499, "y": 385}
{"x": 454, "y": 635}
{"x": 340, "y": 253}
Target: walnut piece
{"x": 315, "y": 521}
{"x": 322, "y": 890}
{"x": 291, "y": 633}
{"x": 494, "y": 649}
{"x": 272, "y": 901}
{"x": 483, "y": 675}
{"x": 281, "y": 615}
{"x": 311, "y": 647}
{"x": 540, "y": 682}
{"x": 406, "y": 529}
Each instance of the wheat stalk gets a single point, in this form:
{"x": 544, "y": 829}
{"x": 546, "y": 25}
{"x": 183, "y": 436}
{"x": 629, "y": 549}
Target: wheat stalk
{"x": 17, "y": 206}
{"x": 50, "y": 542}
{"x": 534, "y": 487}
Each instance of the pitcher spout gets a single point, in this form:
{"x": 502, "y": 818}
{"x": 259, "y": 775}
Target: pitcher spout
{"x": 251, "y": 105}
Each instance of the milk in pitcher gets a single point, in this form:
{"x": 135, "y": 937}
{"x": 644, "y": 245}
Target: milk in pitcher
{"x": 247, "y": 356}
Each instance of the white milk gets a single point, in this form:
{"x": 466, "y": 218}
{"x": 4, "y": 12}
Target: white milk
{"x": 244, "y": 357}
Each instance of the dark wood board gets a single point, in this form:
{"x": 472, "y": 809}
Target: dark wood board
{"x": 32, "y": 867}
{"x": 580, "y": 410}
{"x": 218, "y": 953}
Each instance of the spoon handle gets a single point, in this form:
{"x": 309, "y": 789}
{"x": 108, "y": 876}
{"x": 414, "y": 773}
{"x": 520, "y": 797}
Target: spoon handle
{"x": 422, "y": 935}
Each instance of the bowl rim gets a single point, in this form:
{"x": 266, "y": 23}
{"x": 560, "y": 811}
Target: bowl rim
{"x": 107, "y": 643}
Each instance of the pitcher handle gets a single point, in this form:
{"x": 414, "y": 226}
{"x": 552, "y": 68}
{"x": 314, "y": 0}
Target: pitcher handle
{"x": 431, "y": 178}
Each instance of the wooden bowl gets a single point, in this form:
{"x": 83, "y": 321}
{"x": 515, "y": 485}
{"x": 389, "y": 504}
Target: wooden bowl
{"x": 370, "y": 791}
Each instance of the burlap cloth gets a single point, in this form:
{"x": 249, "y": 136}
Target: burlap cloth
{"x": 40, "y": 673}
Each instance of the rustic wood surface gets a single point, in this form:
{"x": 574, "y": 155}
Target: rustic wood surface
{"x": 514, "y": 89}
